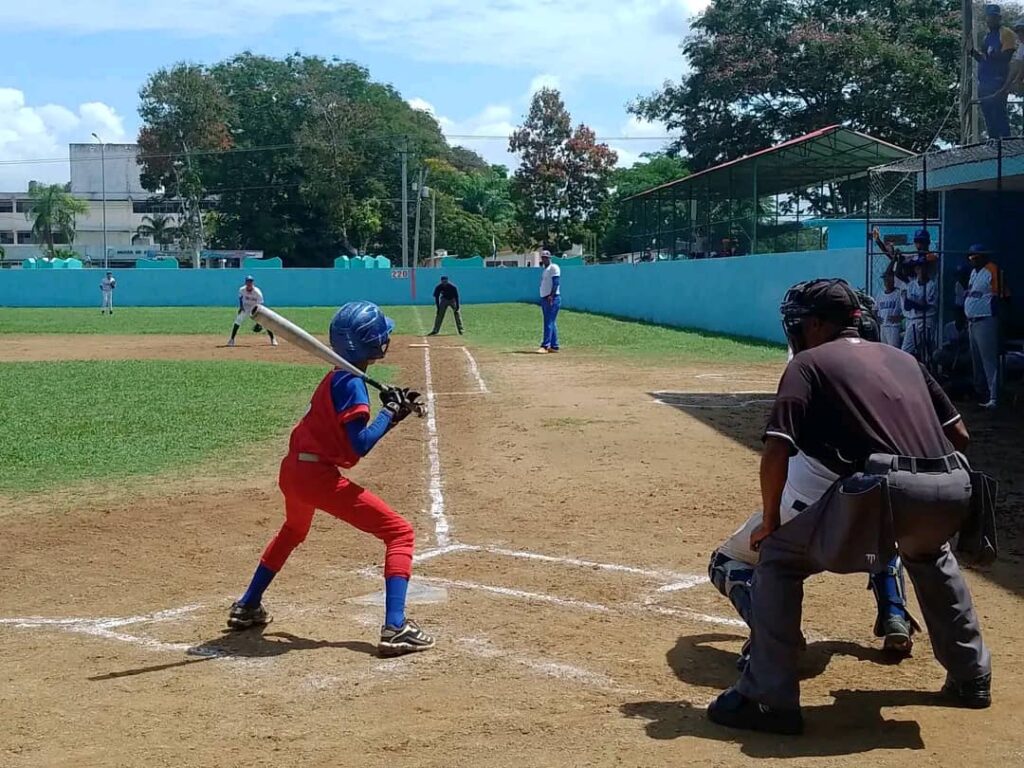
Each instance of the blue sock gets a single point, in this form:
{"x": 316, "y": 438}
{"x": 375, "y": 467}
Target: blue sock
{"x": 889, "y": 592}
{"x": 260, "y": 581}
{"x": 395, "y": 588}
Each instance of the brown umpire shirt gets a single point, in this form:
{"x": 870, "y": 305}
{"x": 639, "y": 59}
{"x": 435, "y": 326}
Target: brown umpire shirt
{"x": 846, "y": 399}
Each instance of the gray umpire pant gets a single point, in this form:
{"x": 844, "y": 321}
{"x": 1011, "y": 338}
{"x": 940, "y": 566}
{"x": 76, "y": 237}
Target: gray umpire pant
{"x": 850, "y": 529}
{"x": 984, "y": 335}
{"x": 442, "y": 309}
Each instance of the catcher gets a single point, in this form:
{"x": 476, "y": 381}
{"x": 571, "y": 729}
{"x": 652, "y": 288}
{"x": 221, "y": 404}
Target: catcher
{"x": 336, "y": 431}
{"x": 731, "y": 569}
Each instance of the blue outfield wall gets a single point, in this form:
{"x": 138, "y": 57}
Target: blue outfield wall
{"x": 738, "y": 296}
{"x": 281, "y": 287}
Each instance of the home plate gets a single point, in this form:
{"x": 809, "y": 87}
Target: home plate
{"x": 418, "y": 593}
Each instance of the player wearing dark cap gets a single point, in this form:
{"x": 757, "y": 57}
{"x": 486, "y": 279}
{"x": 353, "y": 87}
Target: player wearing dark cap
{"x": 872, "y": 415}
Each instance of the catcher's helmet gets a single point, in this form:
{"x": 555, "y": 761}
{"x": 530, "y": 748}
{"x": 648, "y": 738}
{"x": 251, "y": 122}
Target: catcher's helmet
{"x": 828, "y": 299}
{"x": 361, "y": 331}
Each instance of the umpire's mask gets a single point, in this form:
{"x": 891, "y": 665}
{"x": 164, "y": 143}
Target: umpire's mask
{"x": 831, "y": 300}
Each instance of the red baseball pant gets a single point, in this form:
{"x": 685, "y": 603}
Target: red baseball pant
{"x": 308, "y": 487}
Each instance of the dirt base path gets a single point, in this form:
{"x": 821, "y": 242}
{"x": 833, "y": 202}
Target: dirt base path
{"x": 564, "y": 513}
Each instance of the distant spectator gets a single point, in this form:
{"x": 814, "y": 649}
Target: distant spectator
{"x": 921, "y": 308}
{"x": 998, "y": 47}
{"x": 984, "y": 292}
{"x": 890, "y": 310}
{"x": 446, "y": 296}
{"x": 550, "y": 302}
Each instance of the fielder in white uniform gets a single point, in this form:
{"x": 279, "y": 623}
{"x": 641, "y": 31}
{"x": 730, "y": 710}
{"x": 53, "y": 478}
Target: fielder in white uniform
{"x": 107, "y": 286}
{"x": 249, "y": 297}
{"x": 921, "y": 308}
{"x": 890, "y": 310}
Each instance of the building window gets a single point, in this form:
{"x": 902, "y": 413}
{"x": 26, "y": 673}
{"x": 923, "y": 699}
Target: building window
{"x": 156, "y": 206}
{"x": 7, "y": 206}
{"x": 24, "y": 206}
{"x": 6, "y": 238}
{"x": 24, "y": 238}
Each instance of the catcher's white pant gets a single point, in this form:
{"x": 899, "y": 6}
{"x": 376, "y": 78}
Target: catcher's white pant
{"x": 806, "y": 482}
{"x": 920, "y": 336}
{"x": 107, "y": 300}
{"x": 892, "y": 335}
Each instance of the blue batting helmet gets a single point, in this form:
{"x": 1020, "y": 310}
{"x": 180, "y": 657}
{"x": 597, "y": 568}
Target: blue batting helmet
{"x": 361, "y": 331}
{"x": 923, "y": 234}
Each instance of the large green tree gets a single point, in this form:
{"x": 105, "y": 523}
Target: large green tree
{"x": 290, "y": 151}
{"x": 562, "y": 179}
{"x": 762, "y": 71}
{"x": 53, "y": 211}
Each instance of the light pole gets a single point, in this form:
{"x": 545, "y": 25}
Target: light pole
{"x": 103, "y": 192}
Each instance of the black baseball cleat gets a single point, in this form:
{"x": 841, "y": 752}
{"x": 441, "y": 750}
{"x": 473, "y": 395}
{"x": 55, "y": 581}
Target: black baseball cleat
{"x": 734, "y": 710}
{"x": 897, "y": 632}
{"x": 974, "y": 694}
{"x": 409, "y": 638}
{"x": 243, "y": 617}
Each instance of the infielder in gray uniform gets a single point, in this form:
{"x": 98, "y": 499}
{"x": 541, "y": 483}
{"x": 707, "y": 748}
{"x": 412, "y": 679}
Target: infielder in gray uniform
{"x": 873, "y": 416}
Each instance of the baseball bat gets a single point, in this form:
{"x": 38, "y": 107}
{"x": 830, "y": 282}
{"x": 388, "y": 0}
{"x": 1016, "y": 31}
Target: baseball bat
{"x": 307, "y": 342}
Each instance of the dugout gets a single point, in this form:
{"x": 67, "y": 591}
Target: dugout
{"x": 759, "y": 203}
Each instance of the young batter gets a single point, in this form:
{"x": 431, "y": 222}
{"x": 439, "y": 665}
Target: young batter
{"x": 336, "y": 432}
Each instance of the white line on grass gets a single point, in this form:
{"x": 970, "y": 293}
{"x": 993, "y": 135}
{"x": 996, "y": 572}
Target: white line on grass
{"x": 475, "y": 370}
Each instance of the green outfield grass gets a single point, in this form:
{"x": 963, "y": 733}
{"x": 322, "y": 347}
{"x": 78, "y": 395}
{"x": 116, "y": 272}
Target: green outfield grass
{"x": 86, "y": 421}
{"x": 502, "y": 326}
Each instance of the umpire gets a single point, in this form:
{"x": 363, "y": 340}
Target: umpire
{"x": 446, "y": 296}
{"x": 875, "y": 417}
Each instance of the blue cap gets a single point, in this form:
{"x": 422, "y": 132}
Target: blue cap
{"x": 923, "y": 234}
{"x": 248, "y": 278}
{"x": 993, "y": 10}
{"x": 977, "y": 248}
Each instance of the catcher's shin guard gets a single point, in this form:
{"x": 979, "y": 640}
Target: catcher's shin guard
{"x": 732, "y": 578}
{"x": 890, "y": 588}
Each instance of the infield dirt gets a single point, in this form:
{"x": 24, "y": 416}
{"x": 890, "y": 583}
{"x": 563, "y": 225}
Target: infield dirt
{"x": 575, "y": 630}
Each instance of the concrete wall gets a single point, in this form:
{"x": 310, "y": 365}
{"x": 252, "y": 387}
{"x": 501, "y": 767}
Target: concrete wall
{"x": 282, "y": 287}
{"x": 738, "y": 296}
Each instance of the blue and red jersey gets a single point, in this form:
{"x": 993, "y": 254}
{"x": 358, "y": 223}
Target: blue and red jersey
{"x": 339, "y": 400}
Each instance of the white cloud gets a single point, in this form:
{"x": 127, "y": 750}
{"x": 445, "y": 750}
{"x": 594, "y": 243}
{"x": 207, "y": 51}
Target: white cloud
{"x": 486, "y": 132}
{"x": 632, "y": 42}
{"x": 30, "y": 134}
{"x": 543, "y": 81}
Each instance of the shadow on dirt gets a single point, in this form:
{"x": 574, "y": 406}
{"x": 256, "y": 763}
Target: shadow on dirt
{"x": 250, "y": 644}
{"x": 852, "y": 725}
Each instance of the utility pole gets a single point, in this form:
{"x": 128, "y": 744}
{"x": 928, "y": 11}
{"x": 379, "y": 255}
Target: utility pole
{"x": 968, "y": 107}
{"x": 421, "y": 191}
{"x": 405, "y": 205}
{"x": 433, "y": 223}
{"x": 103, "y": 192}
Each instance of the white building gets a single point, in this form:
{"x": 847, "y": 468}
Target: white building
{"x": 112, "y": 172}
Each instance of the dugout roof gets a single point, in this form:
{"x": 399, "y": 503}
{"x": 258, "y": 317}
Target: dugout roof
{"x": 825, "y": 155}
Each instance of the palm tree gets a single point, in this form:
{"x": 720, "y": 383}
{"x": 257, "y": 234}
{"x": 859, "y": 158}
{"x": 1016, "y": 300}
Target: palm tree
{"x": 52, "y": 212}
{"x": 162, "y": 229}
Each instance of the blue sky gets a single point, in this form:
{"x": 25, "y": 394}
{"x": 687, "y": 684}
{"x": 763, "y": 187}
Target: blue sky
{"x": 75, "y": 66}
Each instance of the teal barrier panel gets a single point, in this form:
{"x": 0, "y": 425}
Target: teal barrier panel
{"x": 341, "y": 262}
{"x": 470, "y": 262}
{"x": 738, "y": 296}
{"x": 281, "y": 287}
{"x": 72, "y": 263}
{"x": 157, "y": 264}
{"x": 272, "y": 263}
{"x": 567, "y": 261}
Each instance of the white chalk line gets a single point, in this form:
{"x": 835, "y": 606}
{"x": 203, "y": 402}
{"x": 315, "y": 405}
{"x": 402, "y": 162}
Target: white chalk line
{"x": 442, "y": 530}
{"x": 474, "y": 369}
{"x": 474, "y": 393}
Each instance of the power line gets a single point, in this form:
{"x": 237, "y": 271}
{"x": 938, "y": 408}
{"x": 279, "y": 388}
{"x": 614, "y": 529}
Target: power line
{"x": 279, "y": 147}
